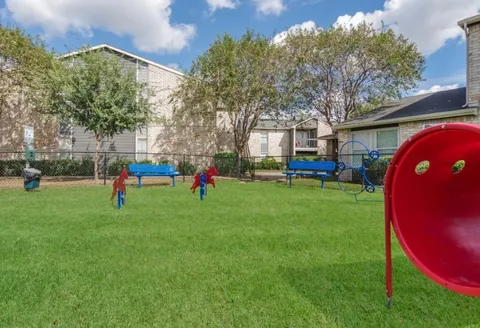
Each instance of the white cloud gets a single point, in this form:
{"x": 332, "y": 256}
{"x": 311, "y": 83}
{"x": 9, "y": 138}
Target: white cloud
{"x": 264, "y": 7}
{"x": 270, "y": 7}
{"x": 297, "y": 28}
{"x": 147, "y": 22}
{"x": 221, "y": 4}
{"x": 429, "y": 23}
{"x": 437, "y": 88}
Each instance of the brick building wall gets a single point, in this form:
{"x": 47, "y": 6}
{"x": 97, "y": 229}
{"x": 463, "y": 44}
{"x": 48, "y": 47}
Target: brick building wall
{"x": 18, "y": 114}
{"x": 474, "y": 64}
{"x": 343, "y": 136}
{"x": 323, "y": 129}
{"x": 225, "y": 139}
{"x": 179, "y": 134}
{"x": 278, "y": 143}
{"x": 406, "y": 130}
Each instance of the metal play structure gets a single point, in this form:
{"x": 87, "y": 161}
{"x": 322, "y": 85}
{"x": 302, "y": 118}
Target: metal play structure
{"x": 435, "y": 212}
{"x": 202, "y": 180}
{"x": 120, "y": 189}
{"x": 348, "y": 171}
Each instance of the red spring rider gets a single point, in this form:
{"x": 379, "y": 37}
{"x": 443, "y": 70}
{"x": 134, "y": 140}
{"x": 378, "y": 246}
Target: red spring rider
{"x": 212, "y": 171}
{"x": 120, "y": 188}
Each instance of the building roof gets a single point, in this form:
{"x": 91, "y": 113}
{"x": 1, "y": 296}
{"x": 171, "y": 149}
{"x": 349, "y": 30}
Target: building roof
{"x": 448, "y": 103}
{"x": 274, "y": 124}
{"x": 469, "y": 21}
{"x": 107, "y": 46}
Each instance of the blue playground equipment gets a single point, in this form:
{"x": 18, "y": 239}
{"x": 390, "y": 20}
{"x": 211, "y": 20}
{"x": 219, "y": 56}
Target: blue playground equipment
{"x": 203, "y": 185}
{"x": 348, "y": 171}
{"x": 120, "y": 199}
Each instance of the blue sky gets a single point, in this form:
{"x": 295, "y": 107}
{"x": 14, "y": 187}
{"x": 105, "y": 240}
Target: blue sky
{"x": 175, "y": 32}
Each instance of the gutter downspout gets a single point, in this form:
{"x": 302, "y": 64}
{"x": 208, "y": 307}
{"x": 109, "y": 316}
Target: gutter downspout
{"x": 465, "y": 28}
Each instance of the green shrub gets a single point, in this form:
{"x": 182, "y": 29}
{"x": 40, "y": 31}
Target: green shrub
{"x": 11, "y": 168}
{"x": 52, "y": 167}
{"x": 307, "y": 158}
{"x": 380, "y": 164}
{"x": 377, "y": 170}
{"x": 227, "y": 164}
{"x": 268, "y": 163}
{"x": 117, "y": 166}
{"x": 187, "y": 168}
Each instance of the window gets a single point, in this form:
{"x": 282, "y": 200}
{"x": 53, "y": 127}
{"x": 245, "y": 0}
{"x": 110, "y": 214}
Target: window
{"x": 384, "y": 140}
{"x": 387, "y": 141}
{"x": 364, "y": 137}
{"x": 263, "y": 143}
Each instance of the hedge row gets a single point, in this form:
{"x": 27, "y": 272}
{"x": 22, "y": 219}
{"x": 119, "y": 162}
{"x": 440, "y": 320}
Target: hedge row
{"x": 227, "y": 164}
{"x": 72, "y": 167}
{"x": 270, "y": 163}
{"x": 58, "y": 167}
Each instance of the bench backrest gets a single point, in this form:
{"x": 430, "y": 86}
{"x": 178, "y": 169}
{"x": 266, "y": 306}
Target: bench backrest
{"x": 312, "y": 165}
{"x": 151, "y": 168}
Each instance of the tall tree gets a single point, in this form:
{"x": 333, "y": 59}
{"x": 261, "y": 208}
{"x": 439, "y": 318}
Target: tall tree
{"x": 95, "y": 91}
{"x": 242, "y": 77}
{"x": 344, "y": 70}
{"x": 24, "y": 66}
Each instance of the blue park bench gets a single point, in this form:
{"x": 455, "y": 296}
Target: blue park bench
{"x": 314, "y": 168}
{"x": 151, "y": 170}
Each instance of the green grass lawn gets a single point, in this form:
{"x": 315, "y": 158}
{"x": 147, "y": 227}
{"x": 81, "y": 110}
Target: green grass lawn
{"x": 249, "y": 255}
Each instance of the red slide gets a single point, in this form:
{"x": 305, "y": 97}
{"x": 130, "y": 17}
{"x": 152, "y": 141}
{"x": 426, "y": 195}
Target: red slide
{"x": 436, "y": 214}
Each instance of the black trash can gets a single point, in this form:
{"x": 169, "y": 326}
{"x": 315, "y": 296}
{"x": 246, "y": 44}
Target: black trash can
{"x": 31, "y": 178}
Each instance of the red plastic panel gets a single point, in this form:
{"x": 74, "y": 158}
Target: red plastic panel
{"x": 436, "y": 215}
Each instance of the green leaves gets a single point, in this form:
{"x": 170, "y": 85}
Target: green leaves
{"x": 24, "y": 67}
{"x": 96, "y": 90}
{"x": 242, "y": 77}
{"x": 339, "y": 70}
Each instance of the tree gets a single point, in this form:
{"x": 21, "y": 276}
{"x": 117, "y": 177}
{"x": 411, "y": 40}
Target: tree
{"x": 342, "y": 71}
{"x": 93, "y": 90}
{"x": 242, "y": 77}
{"x": 24, "y": 67}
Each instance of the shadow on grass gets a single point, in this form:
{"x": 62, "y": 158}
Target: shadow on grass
{"x": 353, "y": 295}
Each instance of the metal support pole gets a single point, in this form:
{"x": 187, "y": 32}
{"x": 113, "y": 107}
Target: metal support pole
{"x": 202, "y": 185}
{"x": 104, "y": 168}
{"x": 183, "y": 170}
{"x": 388, "y": 259}
{"x": 119, "y": 199}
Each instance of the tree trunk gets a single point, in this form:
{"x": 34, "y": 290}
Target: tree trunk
{"x": 239, "y": 149}
{"x": 239, "y": 166}
{"x": 97, "y": 158}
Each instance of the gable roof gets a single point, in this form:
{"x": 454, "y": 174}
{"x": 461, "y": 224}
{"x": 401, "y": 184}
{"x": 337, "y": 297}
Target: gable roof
{"x": 107, "y": 46}
{"x": 469, "y": 21}
{"x": 448, "y": 103}
{"x": 264, "y": 124}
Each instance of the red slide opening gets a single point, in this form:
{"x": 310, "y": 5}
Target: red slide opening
{"x": 433, "y": 193}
